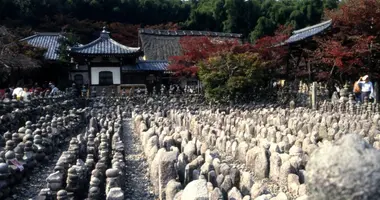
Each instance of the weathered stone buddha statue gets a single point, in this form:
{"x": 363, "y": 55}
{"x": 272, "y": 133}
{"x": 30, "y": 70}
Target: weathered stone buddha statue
{"x": 94, "y": 193}
{"x": 9, "y": 145}
{"x": 4, "y": 181}
{"x": 15, "y": 170}
{"x": 62, "y": 195}
{"x": 104, "y": 92}
{"x": 93, "y": 92}
{"x": 7, "y": 136}
{"x": 29, "y": 157}
{"x": 2, "y": 143}
{"x": 45, "y": 194}
{"x": 90, "y": 163}
{"x": 46, "y": 142}
{"x": 39, "y": 149}
{"x": 112, "y": 179}
{"x": 55, "y": 181}
{"x": 72, "y": 182}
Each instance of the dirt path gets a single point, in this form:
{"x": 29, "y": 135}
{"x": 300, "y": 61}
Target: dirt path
{"x": 137, "y": 181}
{"x": 29, "y": 189}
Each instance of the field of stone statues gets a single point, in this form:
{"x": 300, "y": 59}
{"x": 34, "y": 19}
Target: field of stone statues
{"x": 181, "y": 149}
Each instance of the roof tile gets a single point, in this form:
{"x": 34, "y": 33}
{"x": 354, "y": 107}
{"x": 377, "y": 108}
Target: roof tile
{"x": 188, "y": 33}
{"x": 147, "y": 66}
{"x": 307, "y": 32}
{"x": 49, "y": 41}
{"x": 104, "y": 45}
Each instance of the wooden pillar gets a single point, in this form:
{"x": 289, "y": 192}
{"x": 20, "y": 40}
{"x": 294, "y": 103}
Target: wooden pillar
{"x": 314, "y": 96}
{"x": 199, "y": 87}
{"x": 376, "y": 92}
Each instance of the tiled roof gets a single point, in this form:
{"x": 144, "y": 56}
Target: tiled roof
{"x": 49, "y": 41}
{"x": 307, "y": 32}
{"x": 147, "y": 66}
{"x": 104, "y": 45}
{"x": 188, "y": 33}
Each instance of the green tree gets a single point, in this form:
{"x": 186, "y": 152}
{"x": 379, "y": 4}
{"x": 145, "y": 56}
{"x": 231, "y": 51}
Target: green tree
{"x": 67, "y": 41}
{"x": 231, "y": 76}
{"x": 330, "y": 4}
{"x": 264, "y": 27}
{"x": 206, "y": 15}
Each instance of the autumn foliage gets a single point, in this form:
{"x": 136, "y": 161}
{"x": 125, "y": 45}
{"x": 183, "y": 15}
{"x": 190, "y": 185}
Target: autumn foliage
{"x": 196, "y": 49}
{"x": 350, "y": 46}
{"x": 270, "y": 48}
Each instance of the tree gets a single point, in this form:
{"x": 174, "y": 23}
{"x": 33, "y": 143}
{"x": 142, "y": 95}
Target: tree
{"x": 229, "y": 76}
{"x": 206, "y": 15}
{"x": 196, "y": 49}
{"x": 252, "y": 18}
{"x": 330, "y": 4}
{"x": 352, "y": 45}
{"x": 68, "y": 40}
{"x": 264, "y": 27}
{"x": 16, "y": 56}
{"x": 270, "y": 48}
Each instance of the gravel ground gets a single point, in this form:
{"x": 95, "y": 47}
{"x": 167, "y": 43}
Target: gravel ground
{"x": 29, "y": 189}
{"x": 137, "y": 182}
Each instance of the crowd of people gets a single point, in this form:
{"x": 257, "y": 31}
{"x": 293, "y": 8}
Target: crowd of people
{"x": 21, "y": 92}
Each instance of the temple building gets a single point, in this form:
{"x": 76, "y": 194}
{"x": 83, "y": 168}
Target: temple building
{"x": 298, "y": 59}
{"x": 101, "y": 62}
{"x": 162, "y": 44}
{"x": 106, "y": 63}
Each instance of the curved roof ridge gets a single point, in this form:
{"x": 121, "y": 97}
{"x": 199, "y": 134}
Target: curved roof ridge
{"x": 313, "y": 26}
{"x": 307, "y": 32}
{"x": 104, "y": 44}
{"x": 150, "y": 61}
{"x": 48, "y": 33}
{"x": 188, "y": 32}
{"x": 90, "y": 44}
{"x": 36, "y": 34}
{"x": 122, "y": 45}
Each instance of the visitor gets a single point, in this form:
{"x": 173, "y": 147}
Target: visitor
{"x": 366, "y": 88}
{"x": 54, "y": 90}
{"x": 24, "y": 95}
{"x": 17, "y": 92}
{"x": 357, "y": 91}
{"x": 9, "y": 91}
{"x": 35, "y": 89}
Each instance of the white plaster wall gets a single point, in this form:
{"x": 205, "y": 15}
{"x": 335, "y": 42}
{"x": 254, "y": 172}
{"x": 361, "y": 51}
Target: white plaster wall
{"x": 86, "y": 78}
{"x": 95, "y": 74}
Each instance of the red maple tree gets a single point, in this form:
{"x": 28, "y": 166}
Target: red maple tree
{"x": 350, "y": 46}
{"x": 271, "y": 48}
{"x": 196, "y": 49}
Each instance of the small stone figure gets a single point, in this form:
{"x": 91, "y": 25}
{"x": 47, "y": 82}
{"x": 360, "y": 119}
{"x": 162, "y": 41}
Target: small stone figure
{"x": 62, "y": 195}
{"x": 72, "y": 184}
{"x": 112, "y": 179}
{"x": 84, "y": 91}
{"x": 104, "y": 92}
{"x": 55, "y": 180}
{"x": 93, "y": 92}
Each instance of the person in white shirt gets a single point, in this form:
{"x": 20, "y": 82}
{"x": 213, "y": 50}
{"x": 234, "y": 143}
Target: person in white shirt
{"x": 25, "y": 94}
{"x": 17, "y": 92}
{"x": 366, "y": 88}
